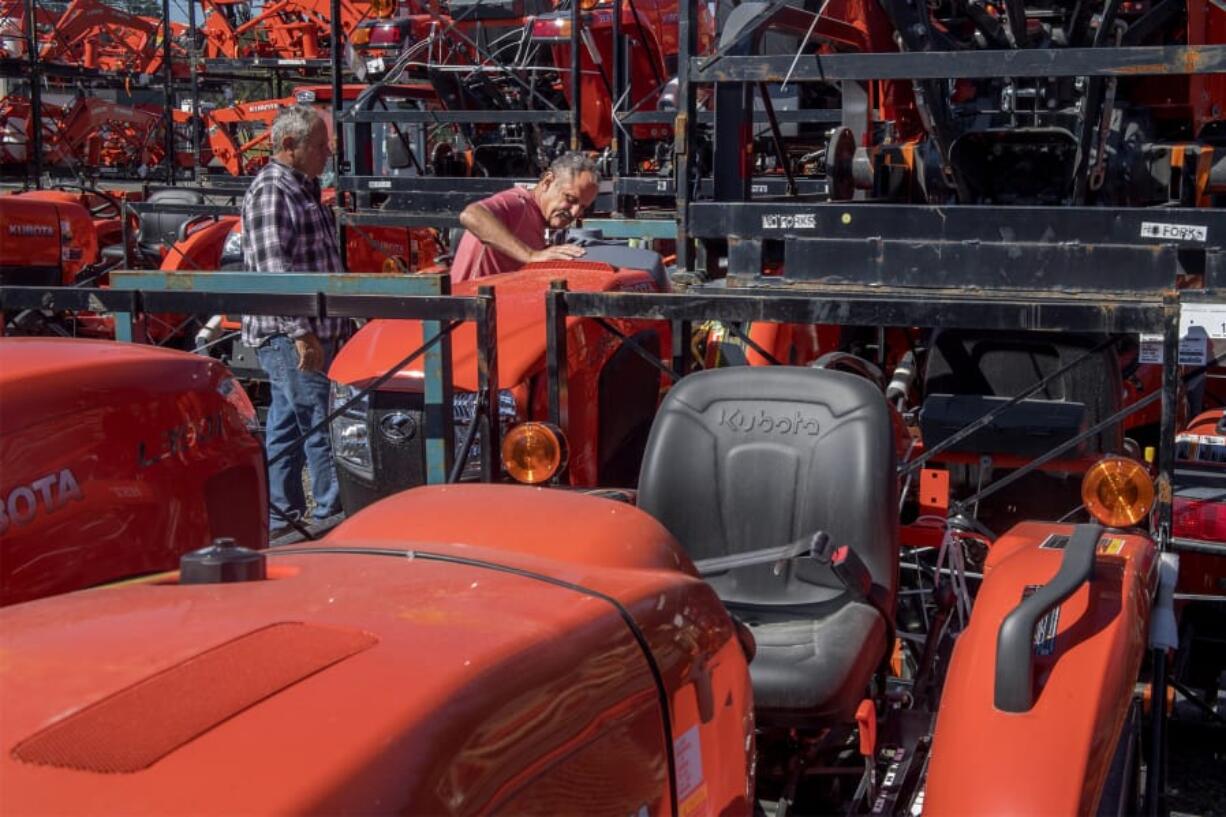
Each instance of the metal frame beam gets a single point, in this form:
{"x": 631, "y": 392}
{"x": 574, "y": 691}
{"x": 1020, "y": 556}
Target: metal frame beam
{"x": 1027, "y": 62}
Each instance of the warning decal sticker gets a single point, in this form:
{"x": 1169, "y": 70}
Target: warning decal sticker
{"x": 691, "y": 788}
{"x": 1045, "y": 630}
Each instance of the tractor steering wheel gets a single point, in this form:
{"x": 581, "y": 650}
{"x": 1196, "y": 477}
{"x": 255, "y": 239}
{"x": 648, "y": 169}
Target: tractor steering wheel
{"x": 111, "y": 206}
{"x": 108, "y": 209}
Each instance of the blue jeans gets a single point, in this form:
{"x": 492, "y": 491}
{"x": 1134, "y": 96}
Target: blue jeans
{"x": 299, "y": 402}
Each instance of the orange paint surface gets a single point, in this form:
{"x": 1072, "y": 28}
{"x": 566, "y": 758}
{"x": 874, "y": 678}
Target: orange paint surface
{"x": 498, "y": 672}
{"x": 1083, "y": 689}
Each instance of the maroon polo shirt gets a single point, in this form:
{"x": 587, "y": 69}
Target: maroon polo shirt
{"x": 515, "y": 208}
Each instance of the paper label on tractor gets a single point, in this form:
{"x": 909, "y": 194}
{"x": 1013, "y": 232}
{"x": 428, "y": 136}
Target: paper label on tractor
{"x": 1151, "y": 349}
{"x": 1193, "y": 351}
{"x": 1175, "y": 232}
{"x": 687, "y": 750}
{"x": 1045, "y": 629}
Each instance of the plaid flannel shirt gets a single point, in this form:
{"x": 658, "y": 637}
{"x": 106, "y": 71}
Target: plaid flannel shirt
{"x": 287, "y": 229}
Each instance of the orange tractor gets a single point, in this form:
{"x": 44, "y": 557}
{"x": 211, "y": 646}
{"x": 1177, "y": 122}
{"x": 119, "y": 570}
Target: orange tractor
{"x": 52, "y": 238}
{"x": 92, "y": 133}
{"x": 663, "y": 656}
{"x": 285, "y": 29}
{"x": 16, "y": 140}
{"x": 93, "y": 35}
{"x": 75, "y": 236}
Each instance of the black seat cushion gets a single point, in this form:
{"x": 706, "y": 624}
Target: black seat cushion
{"x": 163, "y": 228}
{"x": 809, "y": 670}
{"x": 749, "y": 458}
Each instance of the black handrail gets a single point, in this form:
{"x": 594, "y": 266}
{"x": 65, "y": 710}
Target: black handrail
{"x": 1015, "y": 640}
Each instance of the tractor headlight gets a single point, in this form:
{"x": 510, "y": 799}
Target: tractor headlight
{"x": 232, "y": 250}
{"x": 351, "y": 431}
{"x": 464, "y": 407}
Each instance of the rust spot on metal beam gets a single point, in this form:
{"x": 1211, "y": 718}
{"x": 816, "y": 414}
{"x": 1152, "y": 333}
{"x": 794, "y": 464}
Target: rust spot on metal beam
{"x": 1191, "y": 60}
{"x": 1145, "y": 70}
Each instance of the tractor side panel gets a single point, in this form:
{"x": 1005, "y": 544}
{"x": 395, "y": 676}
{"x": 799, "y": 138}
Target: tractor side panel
{"x": 115, "y": 468}
{"x": 79, "y": 238}
{"x": 29, "y": 243}
{"x": 1053, "y": 759}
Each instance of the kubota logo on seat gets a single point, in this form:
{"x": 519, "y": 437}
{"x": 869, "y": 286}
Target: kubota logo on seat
{"x": 747, "y": 421}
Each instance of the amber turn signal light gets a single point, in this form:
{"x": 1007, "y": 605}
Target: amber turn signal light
{"x": 1118, "y": 492}
{"x": 534, "y": 452}
{"x": 382, "y": 8}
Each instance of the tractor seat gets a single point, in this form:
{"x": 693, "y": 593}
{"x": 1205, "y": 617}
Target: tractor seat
{"x": 156, "y": 229}
{"x": 743, "y": 459}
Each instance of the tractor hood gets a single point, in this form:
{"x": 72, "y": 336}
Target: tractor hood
{"x": 520, "y": 310}
{"x": 35, "y": 371}
{"x": 372, "y": 672}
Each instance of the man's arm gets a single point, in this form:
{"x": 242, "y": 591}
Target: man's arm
{"x": 491, "y": 232}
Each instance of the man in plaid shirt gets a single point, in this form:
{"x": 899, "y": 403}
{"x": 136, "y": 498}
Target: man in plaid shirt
{"x": 287, "y": 229}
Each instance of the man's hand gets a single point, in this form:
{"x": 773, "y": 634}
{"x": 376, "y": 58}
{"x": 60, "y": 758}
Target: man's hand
{"x": 310, "y": 353}
{"x": 559, "y": 252}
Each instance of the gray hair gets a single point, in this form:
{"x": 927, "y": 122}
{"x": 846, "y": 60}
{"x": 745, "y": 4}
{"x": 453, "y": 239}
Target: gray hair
{"x": 572, "y": 163}
{"x": 294, "y": 122}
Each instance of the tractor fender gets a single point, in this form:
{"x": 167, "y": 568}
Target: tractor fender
{"x": 1048, "y": 751}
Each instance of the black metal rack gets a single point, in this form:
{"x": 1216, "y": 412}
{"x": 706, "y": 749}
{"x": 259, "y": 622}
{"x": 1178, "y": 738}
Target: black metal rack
{"x": 377, "y": 199}
{"x": 408, "y": 198}
{"x": 34, "y": 70}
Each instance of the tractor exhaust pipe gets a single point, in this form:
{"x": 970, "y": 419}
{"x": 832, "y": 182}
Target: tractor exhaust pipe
{"x": 208, "y": 333}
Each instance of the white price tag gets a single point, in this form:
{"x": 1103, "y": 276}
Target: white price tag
{"x": 1151, "y": 349}
{"x": 1193, "y": 351}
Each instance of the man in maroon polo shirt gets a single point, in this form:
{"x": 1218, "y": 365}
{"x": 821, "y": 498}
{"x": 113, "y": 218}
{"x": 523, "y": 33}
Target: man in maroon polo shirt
{"x": 507, "y": 230}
